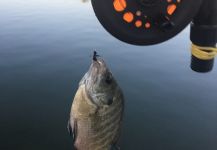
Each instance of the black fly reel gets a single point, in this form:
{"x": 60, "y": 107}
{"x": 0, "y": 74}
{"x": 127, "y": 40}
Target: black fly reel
{"x": 145, "y": 22}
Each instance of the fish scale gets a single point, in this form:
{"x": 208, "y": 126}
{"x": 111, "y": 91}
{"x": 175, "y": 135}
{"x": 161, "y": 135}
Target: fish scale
{"x": 108, "y": 121}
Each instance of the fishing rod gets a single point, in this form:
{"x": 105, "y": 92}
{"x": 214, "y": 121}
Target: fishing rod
{"x": 149, "y": 22}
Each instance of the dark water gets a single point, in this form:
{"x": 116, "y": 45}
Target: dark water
{"x": 45, "y": 48}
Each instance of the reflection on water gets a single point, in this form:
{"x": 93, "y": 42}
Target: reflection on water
{"x": 45, "y": 48}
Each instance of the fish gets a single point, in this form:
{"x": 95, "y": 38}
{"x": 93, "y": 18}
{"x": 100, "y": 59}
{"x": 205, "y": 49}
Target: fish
{"x": 97, "y": 110}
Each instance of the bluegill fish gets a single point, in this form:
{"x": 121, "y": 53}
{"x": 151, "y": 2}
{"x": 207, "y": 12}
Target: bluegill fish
{"x": 97, "y": 110}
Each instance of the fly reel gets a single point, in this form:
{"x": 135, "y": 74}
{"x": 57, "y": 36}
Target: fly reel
{"x": 148, "y": 22}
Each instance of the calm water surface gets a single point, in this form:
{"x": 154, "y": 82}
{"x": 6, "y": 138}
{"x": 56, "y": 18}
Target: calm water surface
{"x": 45, "y": 48}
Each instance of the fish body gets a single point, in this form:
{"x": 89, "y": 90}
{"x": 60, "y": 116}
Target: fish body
{"x": 97, "y": 110}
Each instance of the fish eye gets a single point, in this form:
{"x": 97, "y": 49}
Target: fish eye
{"x": 108, "y": 79}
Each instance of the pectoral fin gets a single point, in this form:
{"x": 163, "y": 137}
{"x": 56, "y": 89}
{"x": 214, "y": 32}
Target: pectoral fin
{"x": 72, "y": 128}
{"x": 69, "y": 128}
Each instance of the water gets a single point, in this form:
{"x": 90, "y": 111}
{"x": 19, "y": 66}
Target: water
{"x": 45, "y": 48}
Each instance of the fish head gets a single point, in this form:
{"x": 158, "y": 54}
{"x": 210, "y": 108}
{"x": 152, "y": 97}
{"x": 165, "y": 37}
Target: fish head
{"x": 99, "y": 83}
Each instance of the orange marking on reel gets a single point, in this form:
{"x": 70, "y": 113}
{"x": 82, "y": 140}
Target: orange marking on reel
{"x": 128, "y": 17}
{"x": 138, "y": 23}
{"x": 171, "y": 9}
{"x": 147, "y": 25}
{"x": 120, "y": 5}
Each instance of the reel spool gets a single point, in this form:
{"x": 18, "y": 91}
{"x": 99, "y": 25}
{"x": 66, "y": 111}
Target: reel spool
{"x": 148, "y": 22}
{"x": 145, "y": 22}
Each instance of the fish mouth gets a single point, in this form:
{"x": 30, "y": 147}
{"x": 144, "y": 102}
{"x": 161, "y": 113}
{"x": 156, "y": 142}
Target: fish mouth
{"x": 96, "y": 70}
{"x": 98, "y": 66}
{"x": 97, "y": 61}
